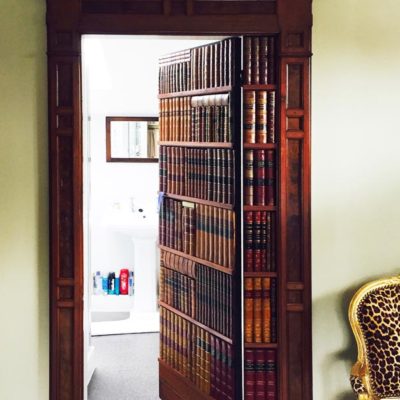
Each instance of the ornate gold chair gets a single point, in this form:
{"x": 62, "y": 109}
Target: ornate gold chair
{"x": 374, "y": 315}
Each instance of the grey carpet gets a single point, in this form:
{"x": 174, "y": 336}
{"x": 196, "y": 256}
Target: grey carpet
{"x": 127, "y": 367}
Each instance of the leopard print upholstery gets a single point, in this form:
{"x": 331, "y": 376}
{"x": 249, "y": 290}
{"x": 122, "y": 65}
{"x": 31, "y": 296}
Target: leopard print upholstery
{"x": 379, "y": 317}
{"x": 357, "y": 385}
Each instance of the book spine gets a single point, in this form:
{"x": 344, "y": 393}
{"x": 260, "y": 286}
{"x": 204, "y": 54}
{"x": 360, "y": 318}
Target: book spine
{"x": 259, "y": 181}
{"x": 249, "y": 110}
{"x": 247, "y": 59}
{"x": 266, "y": 310}
{"x": 270, "y": 178}
{"x": 255, "y": 64}
{"x": 270, "y": 374}
{"x": 248, "y": 177}
{"x": 264, "y": 54}
{"x": 248, "y": 310}
{"x": 249, "y": 375}
{"x": 260, "y": 382}
{"x": 257, "y": 289}
{"x": 261, "y": 117}
{"x": 248, "y": 242}
{"x": 273, "y": 302}
{"x": 257, "y": 241}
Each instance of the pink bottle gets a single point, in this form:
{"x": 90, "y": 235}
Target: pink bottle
{"x": 123, "y": 281}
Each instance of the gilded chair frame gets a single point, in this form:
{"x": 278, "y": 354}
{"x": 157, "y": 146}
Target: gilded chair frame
{"x": 361, "y": 368}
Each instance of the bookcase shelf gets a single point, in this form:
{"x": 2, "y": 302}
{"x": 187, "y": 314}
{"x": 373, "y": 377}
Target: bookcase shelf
{"x": 259, "y": 87}
{"x": 260, "y": 345}
{"x": 199, "y": 201}
{"x": 197, "y": 92}
{"x": 207, "y": 145}
{"x": 260, "y": 146}
{"x": 198, "y": 260}
{"x": 259, "y": 208}
{"x": 260, "y": 274}
{"x": 195, "y": 322}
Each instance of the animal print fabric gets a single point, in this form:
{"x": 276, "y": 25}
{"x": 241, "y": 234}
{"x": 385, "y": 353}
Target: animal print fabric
{"x": 357, "y": 385}
{"x": 379, "y": 318}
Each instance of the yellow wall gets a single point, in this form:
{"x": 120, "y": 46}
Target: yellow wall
{"x": 356, "y": 183}
{"x": 23, "y": 202}
{"x": 356, "y": 171}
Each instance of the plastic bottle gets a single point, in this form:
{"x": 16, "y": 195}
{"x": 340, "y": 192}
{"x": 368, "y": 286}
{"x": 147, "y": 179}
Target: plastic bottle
{"x": 111, "y": 283}
{"x": 131, "y": 283}
{"x": 104, "y": 281}
{"x": 124, "y": 281}
{"x": 117, "y": 285}
{"x": 98, "y": 284}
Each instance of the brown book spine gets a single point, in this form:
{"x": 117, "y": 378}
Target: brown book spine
{"x": 249, "y": 106}
{"x": 248, "y": 310}
{"x": 255, "y": 65}
{"x": 249, "y": 375}
{"x": 271, "y": 117}
{"x": 264, "y": 60}
{"x": 259, "y": 181}
{"x": 270, "y": 178}
{"x": 260, "y": 367}
{"x": 247, "y": 51}
{"x": 266, "y": 309}
{"x": 248, "y": 177}
{"x": 271, "y": 59}
{"x": 261, "y": 117}
{"x": 270, "y": 374}
{"x": 257, "y": 310}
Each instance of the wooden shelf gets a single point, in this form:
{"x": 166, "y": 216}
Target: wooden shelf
{"x": 196, "y": 92}
{"x": 193, "y": 321}
{"x": 173, "y": 380}
{"x": 200, "y": 201}
{"x": 259, "y": 208}
{"x": 260, "y": 345}
{"x": 259, "y": 87}
{"x": 260, "y": 274}
{"x": 210, "y": 264}
{"x": 208, "y": 145}
{"x": 260, "y": 146}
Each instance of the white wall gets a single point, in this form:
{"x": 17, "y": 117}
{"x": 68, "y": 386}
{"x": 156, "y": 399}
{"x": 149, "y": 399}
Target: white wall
{"x": 355, "y": 171}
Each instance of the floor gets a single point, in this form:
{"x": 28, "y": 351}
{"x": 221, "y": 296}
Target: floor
{"x": 127, "y": 367}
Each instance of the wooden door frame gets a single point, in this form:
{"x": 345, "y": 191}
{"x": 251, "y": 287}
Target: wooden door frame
{"x": 67, "y": 21}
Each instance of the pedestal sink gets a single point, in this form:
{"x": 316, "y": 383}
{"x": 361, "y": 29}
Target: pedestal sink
{"x": 142, "y": 228}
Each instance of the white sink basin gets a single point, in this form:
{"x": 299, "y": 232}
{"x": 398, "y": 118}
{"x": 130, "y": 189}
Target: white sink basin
{"x": 136, "y": 224}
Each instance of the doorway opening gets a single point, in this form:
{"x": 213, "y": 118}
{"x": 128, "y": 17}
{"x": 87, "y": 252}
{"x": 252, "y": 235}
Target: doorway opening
{"x": 121, "y": 256}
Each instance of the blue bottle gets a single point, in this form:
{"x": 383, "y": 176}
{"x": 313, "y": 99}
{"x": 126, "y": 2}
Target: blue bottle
{"x": 117, "y": 286}
{"x": 104, "y": 284}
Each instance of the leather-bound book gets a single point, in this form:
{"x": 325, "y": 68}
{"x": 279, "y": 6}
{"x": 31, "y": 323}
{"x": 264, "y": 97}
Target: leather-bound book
{"x": 247, "y": 60}
{"x": 257, "y": 241}
{"x": 257, "y": 289}
{"x": 213, "y": 383}
{"x": 230, "y": 177}
{"x": 207, "y": 363}
{"x": 248, "y": 241}
{"x": 248, "y": 177}
{"x": 249, "y": 110}
{"x": 248, "y": 310}
{"x": 255, "y": 61}
{"x": 271, "y": 60}
{"x": 260, "y": 382}
{"x": 261, "y": 117}
{"x": 217, "y": 369}
{"x": 259, "y": 177}
{"x": 216, "y": 64}
{"x": 271, "y": 117}
{"x": 249, "y": 375}
{"x": 266, "y": 310}
{"x": 264, "y": 53}
{"x": 270, "y": 375}
{"x": 270, "y": 178}
{"x": 229, "y": 373}
{"x": 274, "y": 321}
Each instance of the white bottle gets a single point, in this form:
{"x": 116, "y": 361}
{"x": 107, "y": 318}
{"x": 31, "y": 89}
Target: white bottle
{"x": 98, "y": 289}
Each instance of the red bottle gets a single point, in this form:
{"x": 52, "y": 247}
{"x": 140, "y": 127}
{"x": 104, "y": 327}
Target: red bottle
{"x": 123, "y": 281}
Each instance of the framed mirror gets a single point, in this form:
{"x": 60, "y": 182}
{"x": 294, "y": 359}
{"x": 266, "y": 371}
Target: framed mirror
{"x": 132, "y": 139}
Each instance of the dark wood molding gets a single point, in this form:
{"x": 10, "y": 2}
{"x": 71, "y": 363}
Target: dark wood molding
{"x": 67, "y": 21}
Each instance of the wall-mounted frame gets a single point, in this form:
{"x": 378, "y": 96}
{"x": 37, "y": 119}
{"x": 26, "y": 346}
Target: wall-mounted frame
{"x": 132, "y": 139}
{"x": 67, "y": 21}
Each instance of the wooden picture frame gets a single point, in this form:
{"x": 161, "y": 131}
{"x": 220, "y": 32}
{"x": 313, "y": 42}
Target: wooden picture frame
{"x": 109, "y": 157}
{"x": 67, "y": 21}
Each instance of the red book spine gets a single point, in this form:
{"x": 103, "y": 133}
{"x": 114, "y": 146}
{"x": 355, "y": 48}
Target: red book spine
{"x": 249, "y": 375}
{"x": 260, "y": 382}
{"x": 270, "y": 374}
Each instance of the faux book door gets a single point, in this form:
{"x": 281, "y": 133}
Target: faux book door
{"x": 218, "y": 185}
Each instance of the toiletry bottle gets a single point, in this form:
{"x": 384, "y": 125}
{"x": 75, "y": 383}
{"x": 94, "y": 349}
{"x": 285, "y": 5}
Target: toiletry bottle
{"x": 117, "y": 285}
{"x": 104, "y": 281}
{"x": 131, "y": 283}
{"x": 98, "y": 284}
{"x": 111, "y": 283}
{"x": 124, "y": 281}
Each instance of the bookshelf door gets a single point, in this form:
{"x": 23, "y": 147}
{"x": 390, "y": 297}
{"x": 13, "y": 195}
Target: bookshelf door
{"x": 200, "y": 153}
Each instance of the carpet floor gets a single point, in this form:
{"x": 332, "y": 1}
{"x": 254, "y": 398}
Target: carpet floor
{"x": 126, "y": 367}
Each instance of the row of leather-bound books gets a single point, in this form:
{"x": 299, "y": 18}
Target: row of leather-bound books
{"x": 260, "y": 320}
{"x": 259, "y": 116}
{"x": 196, "y": 119}
{"x": 260, "y": 374}
{"x": 259, "y": 241}
{"x": 204, "y": 359}
{"x": 202, "y": 173}
{"x": 259, "y": 177}
{"x": 198, "y": 291}
{"x": 203, "y": 231}
{"x": 202, "y": 67}
{"x": 259, "y": 60}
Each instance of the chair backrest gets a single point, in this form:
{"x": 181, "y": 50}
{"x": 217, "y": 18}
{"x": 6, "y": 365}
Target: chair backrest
{"x": 375, "y": 319}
